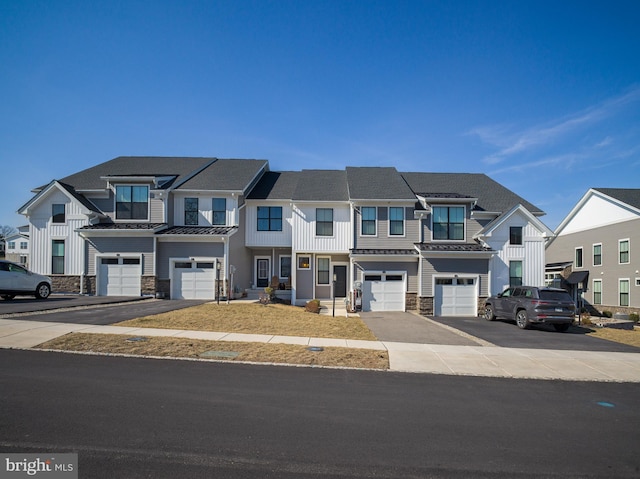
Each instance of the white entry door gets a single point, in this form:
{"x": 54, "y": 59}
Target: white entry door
{"x": 456, "y": 297}
{"x": 119, "y": 276}
{"x": 194, "y": 280}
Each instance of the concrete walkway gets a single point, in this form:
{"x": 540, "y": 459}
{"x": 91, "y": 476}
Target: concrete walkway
{"x": 403, "y": 357}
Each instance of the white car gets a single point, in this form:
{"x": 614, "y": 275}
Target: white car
{"x": 16, "y": 280}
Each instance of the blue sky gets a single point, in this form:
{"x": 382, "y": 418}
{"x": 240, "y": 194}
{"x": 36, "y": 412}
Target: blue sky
{"x": 544, "y": 97}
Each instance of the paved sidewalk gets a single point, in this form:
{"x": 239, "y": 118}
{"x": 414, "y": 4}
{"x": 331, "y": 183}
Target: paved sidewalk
{"x": 403, "y": 357}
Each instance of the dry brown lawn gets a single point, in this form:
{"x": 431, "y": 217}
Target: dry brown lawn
{"x": 250, "y": 318}
{"x": 630, "y": 337}
{"x": 196, "y": 348}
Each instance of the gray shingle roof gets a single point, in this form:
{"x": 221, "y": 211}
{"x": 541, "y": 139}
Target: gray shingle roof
{"x": 322, "y": 185}
{"x": 630, "y": 196}
{"x": 377, "y": 183}
{"x": 90, "y": 179}
{"x": 492, "y": 196}
{"x": 225, "y": 174}
{"x": 275, "y": 185}
{"x": 84, "y": 201}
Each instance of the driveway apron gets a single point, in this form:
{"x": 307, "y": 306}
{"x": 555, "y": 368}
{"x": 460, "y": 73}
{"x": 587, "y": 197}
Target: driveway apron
{"x": 404, "y": 327}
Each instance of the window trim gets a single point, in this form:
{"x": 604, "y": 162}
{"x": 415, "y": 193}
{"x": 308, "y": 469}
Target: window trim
{"x": 64, "y": 252}
{"x": 325, "y": 223}
{"x": 575, "y": 257}
{"x": 628, "y": 292}
{"x": 318, "y": 258}
{"x": 597, "y": 281}
{"x": 197, "y": 211}
{"x": 593, "y": 254}
{"x": 224, "y": 212}
{"x": 282, "y": 276}
{"x": 404, "y": 221}
{"x": 115, "y": 202}
{"x": 511, "y": 285}
{"x": 374, "y": 220}
{"x": 269, "y": 219}
{"x": 308, "y": 263}
{"x": 628, "y": 252}
{"x": 511, "y": 235}
{"x": 53, "y": 214}
{"x": 464, "y": 222}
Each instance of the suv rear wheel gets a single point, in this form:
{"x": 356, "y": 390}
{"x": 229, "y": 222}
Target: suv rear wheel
{"x": 521, "y": 319}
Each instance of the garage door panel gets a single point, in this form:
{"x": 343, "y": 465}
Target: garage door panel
{"x": 193, "y": 282}
{"x": 119, "y": 277}
{"x": 455, "y": 300}
{"x": 383, "y": 295}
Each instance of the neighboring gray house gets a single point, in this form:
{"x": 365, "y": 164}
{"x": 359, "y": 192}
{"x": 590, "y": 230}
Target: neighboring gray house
{"x": 17, "y": 246}
{"x": 437, "y": 243}
{"x": 595, "y": 251}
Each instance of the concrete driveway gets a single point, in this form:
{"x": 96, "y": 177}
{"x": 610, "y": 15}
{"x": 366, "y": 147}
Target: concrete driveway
{"x": 99, "y": 310}
{"x": 506, "y": 334}
{"x": 404, "y": 327}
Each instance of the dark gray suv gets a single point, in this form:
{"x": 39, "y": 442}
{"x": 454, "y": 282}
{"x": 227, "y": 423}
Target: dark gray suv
{"x": 529, "y": 305}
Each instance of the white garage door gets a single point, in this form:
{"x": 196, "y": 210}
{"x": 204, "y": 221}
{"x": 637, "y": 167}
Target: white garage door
{"x": 194, "y": 280}
{"x": 119, "y": 277}
{"x": 383, "y": 292}
{"x": 456, "y": 297}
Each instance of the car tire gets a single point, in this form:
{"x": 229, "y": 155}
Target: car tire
{"x": 8, "y": 297}
{"x": 521, "y": 319}
{"x": 488, "y": 313}
{"x": 561, "y": 328}
{"x": 43, "y": 291}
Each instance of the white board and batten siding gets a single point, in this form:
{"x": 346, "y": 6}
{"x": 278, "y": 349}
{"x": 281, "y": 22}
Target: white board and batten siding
{"x": 205, "y": 208}
{"x": 274, "y": 239}
{"x": 531, "y": 253}
{"x": 304, "y": 229}
{"x": 42, "y": 232}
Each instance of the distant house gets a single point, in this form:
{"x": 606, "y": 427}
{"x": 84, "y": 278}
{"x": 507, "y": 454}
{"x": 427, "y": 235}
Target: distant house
{"x": 17, "y": 246}
{"x": 596, "y": 251}
{"x": 178, "y": 227}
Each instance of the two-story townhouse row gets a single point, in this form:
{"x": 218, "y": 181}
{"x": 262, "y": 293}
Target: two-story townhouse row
{"x": 141, "y": 225}
{"x": 197, "y": 227}
{"x": 594, "y": 253}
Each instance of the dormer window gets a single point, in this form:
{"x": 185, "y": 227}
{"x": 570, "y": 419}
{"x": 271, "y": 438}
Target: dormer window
{"x": 132, "y": 202}
{"x": 448, "y": 223}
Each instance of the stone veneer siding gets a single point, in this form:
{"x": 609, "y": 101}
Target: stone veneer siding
{"x": 411, "y": 301}
{"x": 71, "y": 284}
{"x": 65, "y": 284}
{"x": 425, "y": 305}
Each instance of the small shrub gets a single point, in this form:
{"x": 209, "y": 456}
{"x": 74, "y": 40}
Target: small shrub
{"x": 312, "y": 306}
{"x": 607, "y": 314}
{"x": 634, "y": 317}
{"x": 586, "y": 320}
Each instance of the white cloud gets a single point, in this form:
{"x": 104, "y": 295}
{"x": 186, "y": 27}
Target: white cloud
{"x": 520, "y": 142}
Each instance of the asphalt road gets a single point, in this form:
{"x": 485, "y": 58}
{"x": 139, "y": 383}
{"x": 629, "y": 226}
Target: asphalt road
{"x": 135, "y": 418}
{"x": 111, "y": 313}
{"x": 506, "y": 334}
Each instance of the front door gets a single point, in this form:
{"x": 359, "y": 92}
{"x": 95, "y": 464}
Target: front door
{"x": 262, "y": 272}
{"x": 340, "y": 286}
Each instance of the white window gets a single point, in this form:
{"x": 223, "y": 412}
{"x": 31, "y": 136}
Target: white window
{"x": 368, "y": 225}
{"x": 396, "y": 221}
{"x": 624, "y": 292}
{"x": 578, "y": 258}
{"x": 597, "y": 291}
{"x": 132, "y": 202}
{"x": 597, "y": 254}
{"x": 285, "y": 266}
{"x": 23, "y": 245}
{"x": 448, "y": 222}
{"x": 623, "y": 249}
{"x": 304, "y": 261}
{"x": 191, "y": 211}
{"x": 323, "y": 276}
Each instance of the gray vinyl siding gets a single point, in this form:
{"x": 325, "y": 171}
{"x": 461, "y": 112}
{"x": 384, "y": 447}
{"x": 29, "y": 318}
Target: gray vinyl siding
{"x": 411, "y": 270}
{"x": 167, "y": 250}
{"x": 472, "y": 227}
{"x": 240, "y": 256}
{"x": 121, "y": 245}
{"x": 611, "y": 271}
{"x": 107, "y": 206}
{"x": 433, "y": 266}
{"x": 382, "y": 239}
